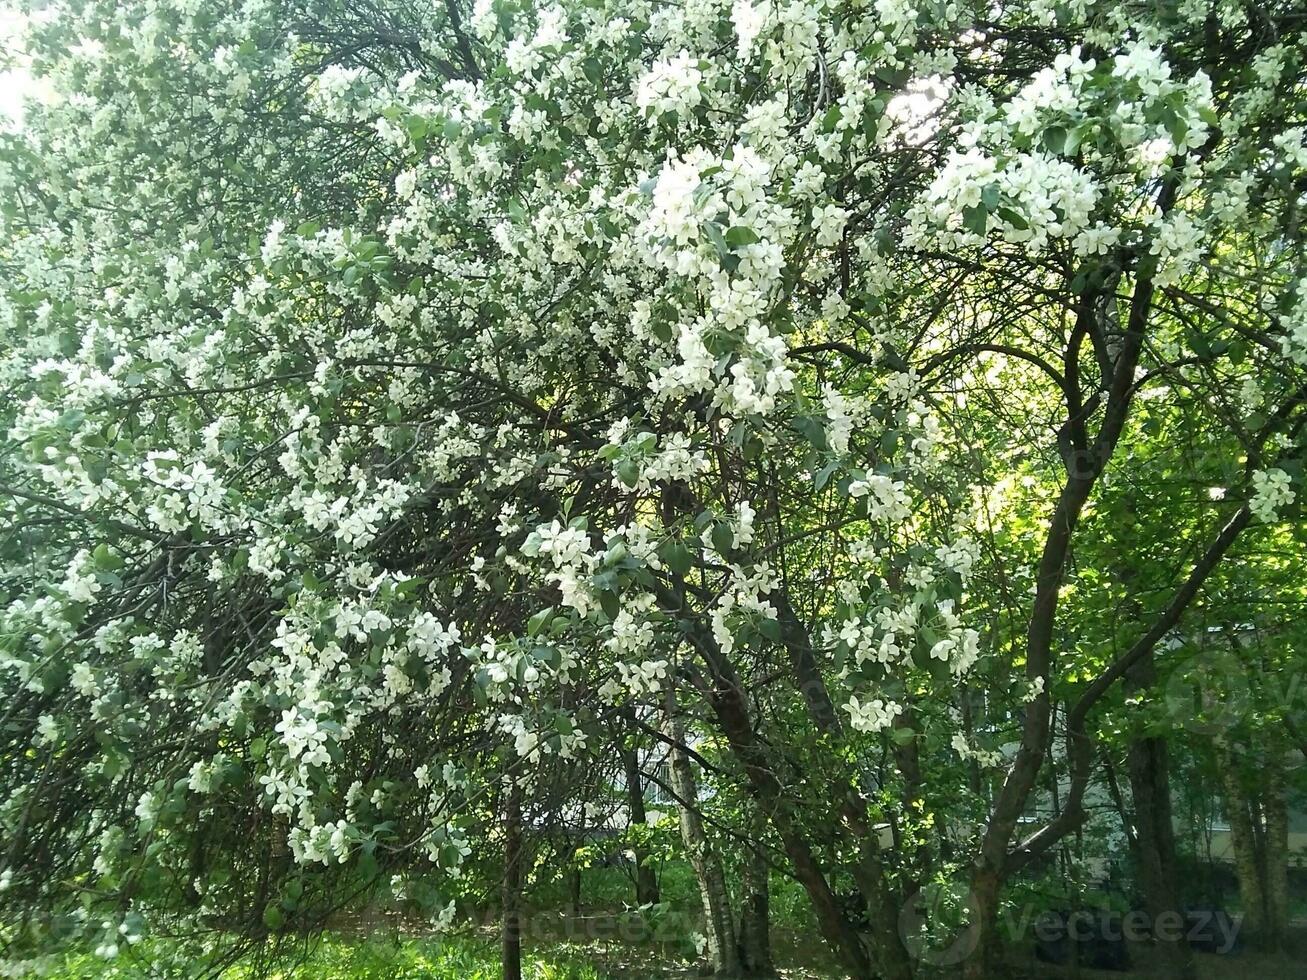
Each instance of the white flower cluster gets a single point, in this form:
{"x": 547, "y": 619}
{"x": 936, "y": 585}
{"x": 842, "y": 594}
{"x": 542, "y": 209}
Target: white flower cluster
{"x": 568, "y": 550}
{"x": 1294, "y": 343}
{"x": 1032, "y": 198}
{"x": 671, "y": 86}
{"x": 1271, "y": 492}
{"x": 706, "y": 214}
{"x": 887, "y": 498}
{"x": 987, "y": 759}
{"x": 873, "y": 715}
{"x": 844, "y": 412}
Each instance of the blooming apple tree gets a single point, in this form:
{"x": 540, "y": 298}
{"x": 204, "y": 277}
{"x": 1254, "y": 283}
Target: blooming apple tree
{"x": 393, "y": 395}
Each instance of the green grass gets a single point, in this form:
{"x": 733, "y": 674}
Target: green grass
{"x": 609, "y": 942}
{"x": 453, "y": 957}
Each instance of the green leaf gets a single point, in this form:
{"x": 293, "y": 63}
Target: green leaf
{"x": 723, "y": 538}
{"x": 610, "y": 604}
{"x": 741, "y": 235}
{"x": 1074, "y": 137}
{"x": 1014, "y": 218}
{"x": 628, "y": 471}
{"x": 893, "y": 77}
{"x": 416, "y": 127}
{"x": 714, "y": 232}
{"x": 538, "y": 622}
{"x": 675, "y": 555}
{"x": 902, "y": 735}
{"x": 105, "y": 560}
{"x": 812, "y": 429}
{"x": 976, "y": 219}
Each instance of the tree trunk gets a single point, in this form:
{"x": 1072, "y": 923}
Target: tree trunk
{"x": 915, "y": 865}
{"x": 1118, "y": 801}
{"x": 646, "y": 882}
{"x": 883, "y": 903}
{"x": 1243, "y": 840}
{"x": 718, "y": 924}
{"x": 1147, "y": 764}
{"x": 986, "y": 960}
{"x": 574, "y": 884}
{"x": 1276, "y": 811}
{"x": 511, "y": 955}
{"x": 725, "y": 693}
{"x": 727, "y": 699}
{"x": 755, "y": 913}
{"x": 1147, "y": 760}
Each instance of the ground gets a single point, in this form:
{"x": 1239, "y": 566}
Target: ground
{"x": 473, "y": 955}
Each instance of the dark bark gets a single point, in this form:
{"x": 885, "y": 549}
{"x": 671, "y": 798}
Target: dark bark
{"x": 574, "y": 884}
{"x": 1243, "y": 841}
{"x": 574, "y": 892}
{"x": 1276, "y": 812}
{"x": 1148, "y": 769}
{"x": 755, "y": 920}
{"x": 916, "y": 864}
{"x": 731, "y": 711}
{"x": 755, "y": 911}
{"x": 1148, "y": 762}
{"x": 646, "y": 881}
{"x": 511, "y": 929}
{"x": 1084, "y": 459}
{"x": 718, "y": 921}
{"x": 1118, "y": 801}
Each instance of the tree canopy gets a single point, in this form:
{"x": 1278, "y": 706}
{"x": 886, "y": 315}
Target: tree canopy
{"x": 401, "y": 396}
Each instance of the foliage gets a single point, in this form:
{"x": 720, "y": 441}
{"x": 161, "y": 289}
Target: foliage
{"x": 402, "y": 401}
{"x": 337, "y": 958}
